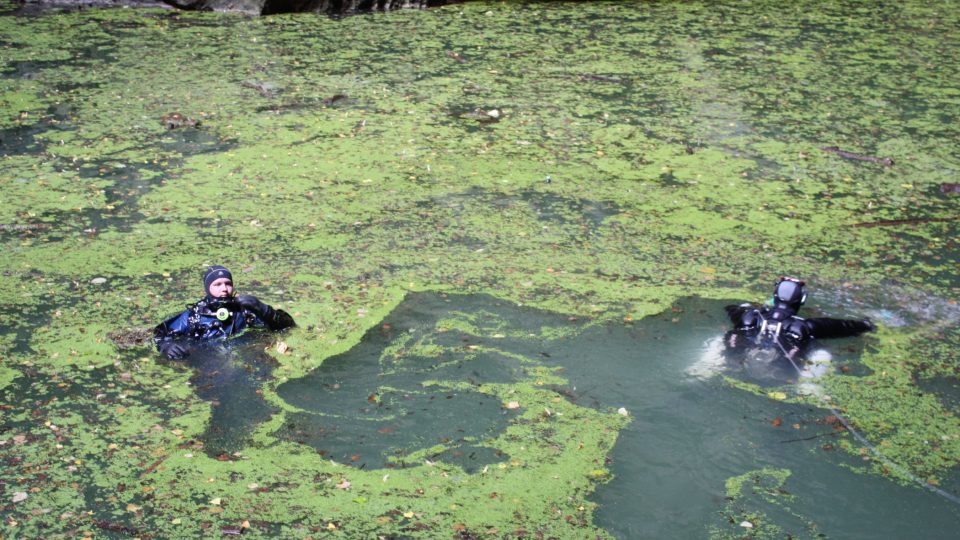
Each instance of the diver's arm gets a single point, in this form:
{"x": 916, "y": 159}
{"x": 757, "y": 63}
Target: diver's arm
{"x": 826, "y": 328}
{"x": 737, "y": 312}
{"x": 165, "y": 334}
{"x": 275, "y": 319}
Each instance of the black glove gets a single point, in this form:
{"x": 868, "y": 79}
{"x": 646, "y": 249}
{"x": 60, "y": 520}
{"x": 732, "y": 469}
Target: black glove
{"x": 173, "y": 351}
{"x": 252, "y": 303}
{"x": 281, "y": 320}
{"x": 276, "y": 319}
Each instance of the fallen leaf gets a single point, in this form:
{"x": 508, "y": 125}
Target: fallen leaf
{"x": 133, "y": 508}
{"x": 777, "y": 422}
{"x": 777, "y": 395}
{"x": 282, "y": 347}
{"x": 19, "y": 496}
{"x": 344, "y": 484}
{"x": 408, "y": 515}
{"x": 513, "y": 405}
{"x": 216, "y": 501}
{"x": 622, "y": 411}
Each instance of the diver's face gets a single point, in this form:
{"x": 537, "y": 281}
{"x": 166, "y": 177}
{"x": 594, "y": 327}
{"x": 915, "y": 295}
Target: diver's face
{"x": 221, "y": 288}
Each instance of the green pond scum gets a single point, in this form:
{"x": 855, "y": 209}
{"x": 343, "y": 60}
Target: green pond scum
{"x": 593, "y": 162}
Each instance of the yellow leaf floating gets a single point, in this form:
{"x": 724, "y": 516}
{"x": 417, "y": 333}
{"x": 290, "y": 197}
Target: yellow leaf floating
{"x": 780, "y": 396}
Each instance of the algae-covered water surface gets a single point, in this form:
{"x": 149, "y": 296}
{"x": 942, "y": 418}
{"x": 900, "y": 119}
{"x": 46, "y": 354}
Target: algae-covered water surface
{"x": 507, "y": 232}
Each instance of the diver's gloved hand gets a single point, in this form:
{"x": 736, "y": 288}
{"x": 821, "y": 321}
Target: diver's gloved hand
{"x": 252, "y": 303}
{"x": 173, "y": 351}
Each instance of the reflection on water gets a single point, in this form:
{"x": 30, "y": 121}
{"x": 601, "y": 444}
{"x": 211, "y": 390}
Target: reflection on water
{"x": 229, "y": 375}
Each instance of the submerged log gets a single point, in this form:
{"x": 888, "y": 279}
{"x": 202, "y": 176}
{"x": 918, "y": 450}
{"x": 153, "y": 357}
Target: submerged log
{"x": 912, "y": 221}
{"x": 252, "y": 7}
{"x": 886, "y": 162}
{"x": 345, "y": 7}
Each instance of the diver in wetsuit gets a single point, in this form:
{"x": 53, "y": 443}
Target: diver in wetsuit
{"x": 780, "y": 327}
{"x": 218, "y": 315}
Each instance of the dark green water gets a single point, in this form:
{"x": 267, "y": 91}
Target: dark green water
{"x": 341, "y": 166}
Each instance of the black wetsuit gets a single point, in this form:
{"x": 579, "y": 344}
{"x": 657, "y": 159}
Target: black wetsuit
{"x": 200, "y": 321}
{"x": 780, "y": 327}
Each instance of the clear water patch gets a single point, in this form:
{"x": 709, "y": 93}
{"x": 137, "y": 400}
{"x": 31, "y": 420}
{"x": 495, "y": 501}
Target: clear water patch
{"x": 414, "y": 382}
{"x": 417, "y": 386}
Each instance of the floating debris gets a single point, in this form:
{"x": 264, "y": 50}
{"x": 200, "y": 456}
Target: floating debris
{"x": 177, "y": 120}
{"x": 265, "y": 89}
{"x": 484, "y": 117}
{"x": 334, "y": 99}
{"x": 456, "y": 56}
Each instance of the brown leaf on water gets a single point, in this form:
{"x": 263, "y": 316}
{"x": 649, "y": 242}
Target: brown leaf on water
{"x": 456, "y": 56}
{"x": 777, "y": 422}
